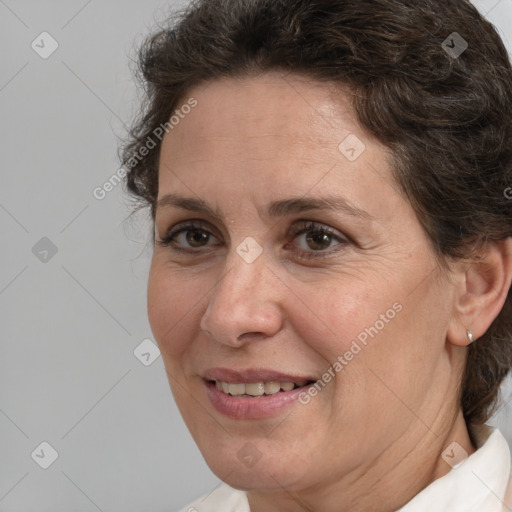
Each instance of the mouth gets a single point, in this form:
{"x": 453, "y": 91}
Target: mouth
{"x": 253, "y": 394}
{"x": 258, "y": 389}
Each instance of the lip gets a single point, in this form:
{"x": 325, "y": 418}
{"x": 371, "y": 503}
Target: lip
{"x": 256, "y": 408}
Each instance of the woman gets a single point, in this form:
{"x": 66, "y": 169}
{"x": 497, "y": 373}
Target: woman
{"x": 330, "y": 285}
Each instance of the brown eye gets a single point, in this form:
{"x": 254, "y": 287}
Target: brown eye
{"x": 196, "y": 237}
{"x": 318, "y": 240}
{"x": 311, "y": 239}
{"x": 191, "y": 236}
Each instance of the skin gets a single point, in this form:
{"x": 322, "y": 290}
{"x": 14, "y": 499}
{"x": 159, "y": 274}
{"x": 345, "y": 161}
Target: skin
{"x": 373, "y": 437}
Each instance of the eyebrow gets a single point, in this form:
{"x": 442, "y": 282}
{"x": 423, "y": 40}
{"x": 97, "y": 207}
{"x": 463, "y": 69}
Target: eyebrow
{"x": 302, "y": 204}
{"x": 276, "y": 209}
{"x": 190, "y": 204}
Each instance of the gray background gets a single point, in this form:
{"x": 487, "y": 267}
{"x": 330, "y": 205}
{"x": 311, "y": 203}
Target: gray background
{"x": 70, "y": 321}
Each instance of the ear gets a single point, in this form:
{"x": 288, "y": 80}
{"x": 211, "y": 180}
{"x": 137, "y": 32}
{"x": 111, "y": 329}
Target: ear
{"x": 485, "y": 283}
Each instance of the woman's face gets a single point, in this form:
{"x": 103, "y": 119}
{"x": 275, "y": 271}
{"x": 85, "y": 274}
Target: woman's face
{"x": 289, "y": 257}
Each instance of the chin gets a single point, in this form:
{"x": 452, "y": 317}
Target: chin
{"x": 260, "y": 477}
{"x": 244, "y": 466}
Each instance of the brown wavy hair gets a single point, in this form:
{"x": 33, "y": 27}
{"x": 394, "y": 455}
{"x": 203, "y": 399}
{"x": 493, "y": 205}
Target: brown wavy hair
{"x": 446, "y": 118}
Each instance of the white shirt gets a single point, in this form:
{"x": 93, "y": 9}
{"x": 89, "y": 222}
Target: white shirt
{"x": 481, "y": 483}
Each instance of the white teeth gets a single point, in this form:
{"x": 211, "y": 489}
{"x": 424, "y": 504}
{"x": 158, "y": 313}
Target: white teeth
{"x": 272, "y": 388}
{"x": 236, "y": 389}
{"x": 256, "y": 388}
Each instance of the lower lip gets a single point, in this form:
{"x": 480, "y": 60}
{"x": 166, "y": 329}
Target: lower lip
{"x": 256, "y": 408}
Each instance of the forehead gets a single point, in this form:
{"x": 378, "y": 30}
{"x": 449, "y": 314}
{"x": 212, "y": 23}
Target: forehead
{"x": 262, "y": 106}
{"x": 269, "y": 133}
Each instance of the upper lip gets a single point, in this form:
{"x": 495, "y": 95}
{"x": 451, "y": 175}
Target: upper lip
{"x": 252, "y": 375}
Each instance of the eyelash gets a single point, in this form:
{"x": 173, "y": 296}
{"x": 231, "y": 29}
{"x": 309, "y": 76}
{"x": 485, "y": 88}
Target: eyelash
{"x": 300, "y": 229}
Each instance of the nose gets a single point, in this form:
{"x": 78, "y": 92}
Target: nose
{"x": 244, "y": 305}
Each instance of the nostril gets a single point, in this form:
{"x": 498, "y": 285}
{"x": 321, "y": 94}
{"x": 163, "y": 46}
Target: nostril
{"x": 248, "y": 336}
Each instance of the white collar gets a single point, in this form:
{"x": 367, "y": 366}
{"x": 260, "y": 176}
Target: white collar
{"x": 478, "y": 484}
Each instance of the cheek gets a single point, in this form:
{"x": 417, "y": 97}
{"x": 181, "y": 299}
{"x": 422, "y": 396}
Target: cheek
{"x": 363, "y": 327}
{"x": 173, "y": 309}
{"x": 333, "y": 314}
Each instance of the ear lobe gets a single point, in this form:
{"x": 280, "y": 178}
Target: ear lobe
{"x": 486, "y": 283}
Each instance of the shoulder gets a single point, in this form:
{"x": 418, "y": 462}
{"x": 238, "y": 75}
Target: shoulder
{"x": 223, "y": 496}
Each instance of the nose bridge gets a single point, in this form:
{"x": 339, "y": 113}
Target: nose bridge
{"x": 243, "y": 301}
{"x": 237, "y": 286}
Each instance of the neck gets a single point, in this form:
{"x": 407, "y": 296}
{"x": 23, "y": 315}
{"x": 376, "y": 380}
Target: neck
{"x": 394, "y": 477}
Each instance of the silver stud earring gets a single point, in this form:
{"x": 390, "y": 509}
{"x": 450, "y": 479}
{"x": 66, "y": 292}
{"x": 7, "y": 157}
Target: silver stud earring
{"x": 470, "y": 336}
